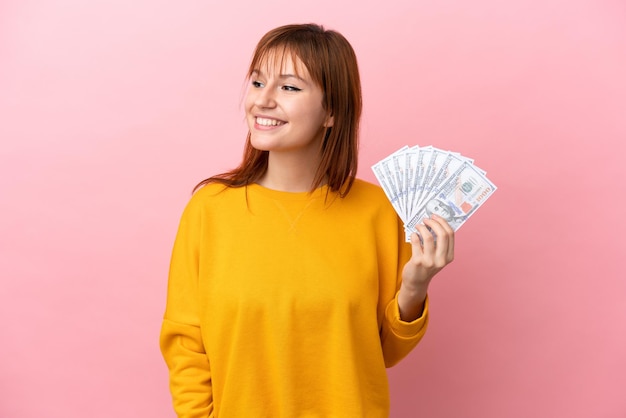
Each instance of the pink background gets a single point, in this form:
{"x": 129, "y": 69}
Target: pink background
{"x": 111, "y": 111}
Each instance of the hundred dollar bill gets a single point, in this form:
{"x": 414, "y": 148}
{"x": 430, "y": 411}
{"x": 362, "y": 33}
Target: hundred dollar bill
{"x": 404, "y": 169}
{"x": 435, "y": 161}
{"x": 456, "y": 199}
{"x": 384, "y": 172}
{"x": 444, "y": 165}
{"x": 421, "y": 163}
{"x": 411, "y": 163}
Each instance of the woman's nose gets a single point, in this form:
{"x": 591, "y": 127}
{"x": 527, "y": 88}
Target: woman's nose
{"x": 265, "y": 97}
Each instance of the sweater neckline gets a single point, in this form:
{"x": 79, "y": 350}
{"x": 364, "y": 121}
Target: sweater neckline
{"x": 282, "y": 195}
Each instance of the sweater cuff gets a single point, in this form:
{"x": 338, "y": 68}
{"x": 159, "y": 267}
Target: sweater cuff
{"x": 402, "y": 328}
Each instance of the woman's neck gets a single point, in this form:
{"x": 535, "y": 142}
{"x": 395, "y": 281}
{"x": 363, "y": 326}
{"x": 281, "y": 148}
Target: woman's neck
{"x": 288, "y": 174}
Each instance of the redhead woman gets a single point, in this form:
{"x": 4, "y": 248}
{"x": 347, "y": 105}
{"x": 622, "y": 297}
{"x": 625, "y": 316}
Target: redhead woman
{"x": 291, "y": 288}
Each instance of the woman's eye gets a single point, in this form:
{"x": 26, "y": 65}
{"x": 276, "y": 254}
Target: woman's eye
{"x": 257, "y": 84}
{"x": 291, "y": 88}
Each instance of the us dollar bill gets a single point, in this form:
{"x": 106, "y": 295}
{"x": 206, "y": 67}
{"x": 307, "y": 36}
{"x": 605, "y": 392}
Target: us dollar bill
{"x": 456, "y": 199}
{"x": 384, "y": 172}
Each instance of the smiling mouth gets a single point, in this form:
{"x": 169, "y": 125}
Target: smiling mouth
{"x": 268, "y": 122}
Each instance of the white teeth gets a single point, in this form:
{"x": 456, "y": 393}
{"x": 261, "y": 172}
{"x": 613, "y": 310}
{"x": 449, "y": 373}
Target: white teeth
{"x": 268, "y": 122}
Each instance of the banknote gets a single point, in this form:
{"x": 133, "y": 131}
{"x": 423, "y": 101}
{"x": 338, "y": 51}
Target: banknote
{"x": 421, "y": 181}
{"x": 383, "y": 170}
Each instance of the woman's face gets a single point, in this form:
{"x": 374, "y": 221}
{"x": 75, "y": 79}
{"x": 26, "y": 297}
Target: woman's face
{"x": 284, "y": 108}
{"x": 436, "y": 207}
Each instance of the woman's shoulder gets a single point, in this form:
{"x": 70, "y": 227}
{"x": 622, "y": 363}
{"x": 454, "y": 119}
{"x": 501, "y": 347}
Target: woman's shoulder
{"x": 370, "y": 200}
{"x": 210, "y": 194}
{"x": 363, "y": 188}
{"x": 210, "y": 190}
{"x": 368, "y": 195}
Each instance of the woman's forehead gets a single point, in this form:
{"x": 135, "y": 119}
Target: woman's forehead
{"x": 280, "y": 61}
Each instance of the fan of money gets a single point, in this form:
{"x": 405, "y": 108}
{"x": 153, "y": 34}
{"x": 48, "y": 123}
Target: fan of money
{"x": 421, "y": 181}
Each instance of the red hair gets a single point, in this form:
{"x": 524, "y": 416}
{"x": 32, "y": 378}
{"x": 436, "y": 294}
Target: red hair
{"x": 332, "y": 65}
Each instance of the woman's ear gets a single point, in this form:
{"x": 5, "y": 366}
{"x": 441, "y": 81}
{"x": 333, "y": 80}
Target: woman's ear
{"x": 330, "y": 120}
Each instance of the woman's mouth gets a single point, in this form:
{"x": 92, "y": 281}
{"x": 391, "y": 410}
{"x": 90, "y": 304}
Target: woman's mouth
{"x": 268, "y": 122}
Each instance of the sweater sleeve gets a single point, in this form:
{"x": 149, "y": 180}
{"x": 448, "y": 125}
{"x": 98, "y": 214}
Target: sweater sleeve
{"x": 399, "y": 337}
{"x": 181, "y": 338}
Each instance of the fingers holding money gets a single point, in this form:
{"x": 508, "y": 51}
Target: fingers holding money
{"x": 433, "y": 249}
{"x": 443, "y": 237}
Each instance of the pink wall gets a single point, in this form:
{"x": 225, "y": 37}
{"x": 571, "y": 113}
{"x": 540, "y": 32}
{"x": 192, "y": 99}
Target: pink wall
{"x": 110, "y": 111}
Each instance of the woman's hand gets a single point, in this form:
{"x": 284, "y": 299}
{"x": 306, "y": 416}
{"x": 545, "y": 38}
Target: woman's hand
{"x": 428, "y": 258}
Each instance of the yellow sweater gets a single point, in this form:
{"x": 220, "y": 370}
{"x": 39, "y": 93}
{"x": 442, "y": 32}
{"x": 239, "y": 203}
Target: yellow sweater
{"x": 283, "y": 305}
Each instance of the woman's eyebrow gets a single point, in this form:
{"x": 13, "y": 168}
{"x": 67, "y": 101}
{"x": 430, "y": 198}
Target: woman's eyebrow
{"x": 259, "y": 73}
{"x": 292, "y": 76}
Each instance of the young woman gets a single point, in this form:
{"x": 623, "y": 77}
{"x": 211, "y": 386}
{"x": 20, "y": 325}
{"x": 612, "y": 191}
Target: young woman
{"x": 291, "y": 288}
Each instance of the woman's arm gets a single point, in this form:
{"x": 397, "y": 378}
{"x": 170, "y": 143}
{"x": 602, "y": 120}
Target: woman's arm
{"x": 427, "y": 259}
{"x": 181, "y": 338}
{"x": 190, "y": 374}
